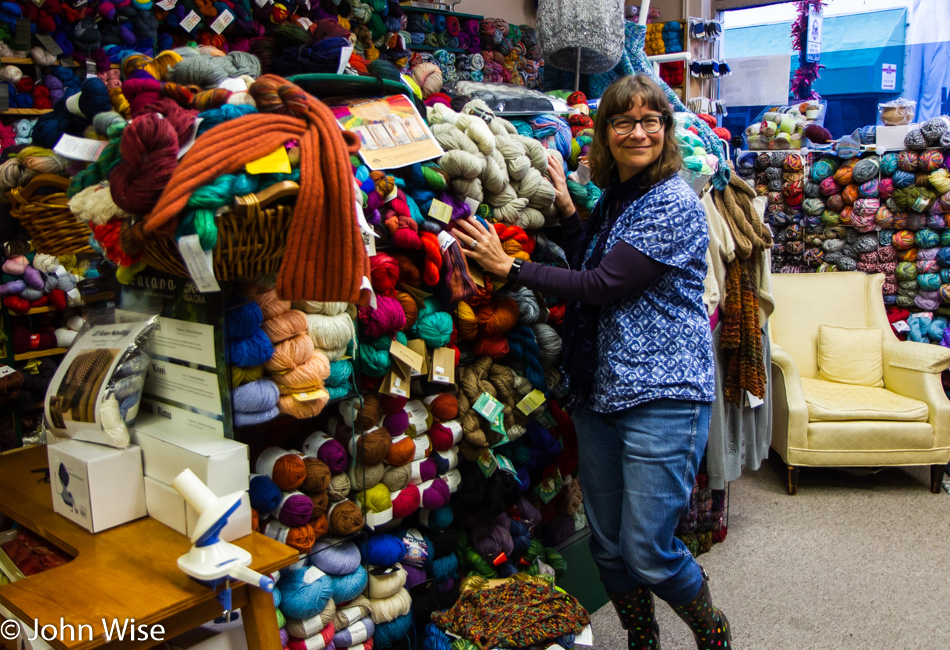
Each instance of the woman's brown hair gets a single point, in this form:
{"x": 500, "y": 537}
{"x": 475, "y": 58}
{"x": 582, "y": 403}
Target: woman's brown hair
{"x": 619, "y": 97}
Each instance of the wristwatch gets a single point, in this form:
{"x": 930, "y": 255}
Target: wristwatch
{"x": 515, "y": 270}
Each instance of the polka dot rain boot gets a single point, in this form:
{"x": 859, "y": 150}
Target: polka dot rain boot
{"x": 709, "y": 626}
{"x": 635, "y": 609}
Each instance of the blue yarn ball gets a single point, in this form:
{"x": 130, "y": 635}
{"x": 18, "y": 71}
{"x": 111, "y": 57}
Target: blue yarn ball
{"x": 888, "y": 164}
{"x": 382, "y": 550}
{"x": 264, "y": 494}
{"x": 348, "y": 587}
{"x": 903, "y": 179}
{"x": 250, "y": 418}
{"x": 304, "y": 592}
{"x": 94, "y": 98}
{"x": 943, "y": 256}
{"x": 215, "y": 116}
{"x": 446, "y": 567}
{"x": 927, "y": 238}
{"x": 440, "y": 518}
{"x": 256, "y": 396}
{"x": 254, "y": 350}
{"x": 276, "y": 594}
{"x": 436, "y": 639}
{"x": 387, "y": 634}
{"x": 336, "y": 559}
{"x": 243, "y": 319}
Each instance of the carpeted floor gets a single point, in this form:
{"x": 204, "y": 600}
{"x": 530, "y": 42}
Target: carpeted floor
{"x": 849, "y": 563}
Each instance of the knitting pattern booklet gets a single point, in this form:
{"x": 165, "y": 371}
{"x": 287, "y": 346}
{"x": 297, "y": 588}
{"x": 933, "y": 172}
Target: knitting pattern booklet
{"x": 392, "y": 132}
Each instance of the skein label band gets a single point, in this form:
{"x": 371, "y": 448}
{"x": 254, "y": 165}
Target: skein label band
{"x": 277, "y": 530}
{"x": 267, "y": 460}
{"x": 453, "y": 478}
{"x": 287, "y": 495}
{"x": 350, "y": 615}
{"x": 451, "y": 456}
{"x": 422, "y": 447}
{"x": 311, "y": 626}
{"x": 313, "y": 443}
{"x": 415, "y": 475}
{"x": 312, "y": 575}
{"x": 418, "y": 414}
{"x": 199, "y": 263}
{"x": 358, "y": 632}
{"x": 456, "y": 429}
{"x": 299, "y": 564}
{"x": 315, "y": 642}
{"x": 374, "y": 519}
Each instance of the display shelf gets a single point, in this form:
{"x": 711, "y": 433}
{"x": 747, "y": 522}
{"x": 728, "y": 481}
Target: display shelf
{"x": 24, "y": 356}
{"x": 38, "y": 310}
{"x": 438, "y": 12}
{"x": 16, "y": 60}
{"x": 26, "y": 111}
{"x": 429, "y": 48}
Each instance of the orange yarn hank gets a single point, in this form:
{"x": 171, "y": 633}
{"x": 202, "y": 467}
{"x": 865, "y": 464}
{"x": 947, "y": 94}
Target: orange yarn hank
{"x": 325, "y": 258}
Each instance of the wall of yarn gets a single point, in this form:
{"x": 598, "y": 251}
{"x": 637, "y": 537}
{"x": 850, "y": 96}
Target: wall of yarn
{"x": 511, "y": 53}
{"x": 664, "y": 38}
{"x": 876, "y": 214}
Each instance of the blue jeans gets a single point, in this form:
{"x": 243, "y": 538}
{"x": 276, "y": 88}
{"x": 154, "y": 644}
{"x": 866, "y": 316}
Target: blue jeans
{"x": 637, "y": 469}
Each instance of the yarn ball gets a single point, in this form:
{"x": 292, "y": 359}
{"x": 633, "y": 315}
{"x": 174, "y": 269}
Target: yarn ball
{"x": 382, "y": 550}
{"x": 289, "y": 472}
{"x": 304, "y": 592}
{"x": 336, "y": 558}
{"x": 349, "y": 586}
{"x": 264, "y": 494}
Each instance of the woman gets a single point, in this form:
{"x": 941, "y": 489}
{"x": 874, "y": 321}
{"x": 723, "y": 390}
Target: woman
{"x": 638, "y": 356}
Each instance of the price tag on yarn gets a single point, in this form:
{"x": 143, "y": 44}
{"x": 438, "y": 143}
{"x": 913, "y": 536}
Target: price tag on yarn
{"x": 345, "y": 54}
{"x": 23, "y": 33}
{"x": 440, "y": 211}
{"x": 419, "y": 347}
{"x": 311, "y": 396}
{"x": 39, "y": 3}
{"x": 900, "y": 326}
{"x": 91, "y": 69}
{"x": 6, "y": 370}
{"x": 472, "y": 205}
{"x": 263, "y": 3}
{"x": 487, "y": 463}
{"x": 581, "y": 176}
{"x": 168, "y": 5}
{"x": 4, "y": 97}
{"x": 498, "y": 426}
{"x": 488, "y": 407}
{"x": 445, "y": 240}
{"x": 531, "y": 402}
{"x": 74, "y": 148}
{"x": 221, "y": 23}
{"x": 189, "y": 143}
{"x": 188, "y": 22}
{"x": 411, "y": 359}
{"x": 443, "y": 366}
{"x": 199, "y": 264}
{"x": 304, "y": 22}
{"x": 49, "y": 44}
{"x": 276, "y": 162}
{"x": 506, "y": 465}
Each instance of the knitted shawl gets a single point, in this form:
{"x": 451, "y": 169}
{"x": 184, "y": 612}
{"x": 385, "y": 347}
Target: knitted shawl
{"x": 325, "y": 259}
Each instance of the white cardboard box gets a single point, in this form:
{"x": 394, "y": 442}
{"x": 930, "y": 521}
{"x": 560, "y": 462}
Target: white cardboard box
{"x": 222, "y": 464}
{"x": 891, "y": 138}
{"x": 169, "y": 507}
{"x": 95, "y": 486}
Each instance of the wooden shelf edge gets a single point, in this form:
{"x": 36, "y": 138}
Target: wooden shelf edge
{"x": 26, "y": 111}
{"x": 24, "y": 356}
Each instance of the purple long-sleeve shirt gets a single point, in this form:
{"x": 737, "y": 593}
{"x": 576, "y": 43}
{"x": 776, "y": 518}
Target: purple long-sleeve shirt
{"x": 622, "y": 271}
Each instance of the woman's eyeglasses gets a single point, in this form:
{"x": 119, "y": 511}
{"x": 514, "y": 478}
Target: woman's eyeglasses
{"x": 626, "y": 125}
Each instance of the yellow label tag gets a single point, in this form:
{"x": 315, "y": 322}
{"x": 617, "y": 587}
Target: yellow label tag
{"x": 531, "y": 402}
{"x": 440, "y": 211}
{"x": 273, "y": 163}
{"x": 312, "y": 395}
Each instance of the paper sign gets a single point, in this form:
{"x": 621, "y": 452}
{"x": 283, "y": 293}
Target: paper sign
{"x": 49, "y": 44}
{"x": 445, "y": 240}
{"x": 442, "y": 369}
{"x": 221, "y": 23}
{"x": 276, "y": 162}
{"x": 440, "y": 211}
{"x": 531, "y": 402}
{"x": 199, "y": 263}
{"x": 69, "y": 146}
{"x": 412, "y": 359}
{"x": 888, "y": 76}
{"x": 91, "y": 69}
{"x": 188, "y": 22}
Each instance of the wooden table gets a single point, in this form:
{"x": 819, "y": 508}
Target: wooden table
{"x": 127, "y": 572}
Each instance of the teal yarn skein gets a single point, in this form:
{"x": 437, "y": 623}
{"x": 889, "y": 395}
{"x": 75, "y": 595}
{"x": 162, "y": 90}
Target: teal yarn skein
{"x": 387, "y": 634}
{"x": 434, "y": 325}
{"x": 348, "y": 587}
{"x": 304, "y": 592}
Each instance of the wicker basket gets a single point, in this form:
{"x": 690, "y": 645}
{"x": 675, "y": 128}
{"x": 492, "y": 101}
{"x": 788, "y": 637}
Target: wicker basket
{"x": 252, "y": 237}
{"x": 47, "y": 218}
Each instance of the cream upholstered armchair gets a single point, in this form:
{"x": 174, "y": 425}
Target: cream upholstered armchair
{"x": 838, "y": 399}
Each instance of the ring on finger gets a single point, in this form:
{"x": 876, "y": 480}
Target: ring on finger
{"x": 473, "y": 244}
